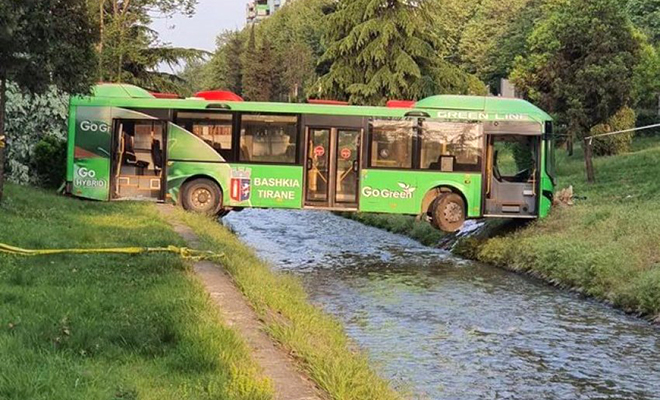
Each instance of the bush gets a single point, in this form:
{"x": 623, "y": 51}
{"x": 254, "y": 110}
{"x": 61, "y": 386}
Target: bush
{"x": 49, "y": 161}
{"x": 616, "y": 144}
{"x": 646, "y": 118}
{"x": 30, "y": 118}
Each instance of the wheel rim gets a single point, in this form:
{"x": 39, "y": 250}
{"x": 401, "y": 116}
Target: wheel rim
{"x": 453, "y": 212}
{"x": 201, "y": 198}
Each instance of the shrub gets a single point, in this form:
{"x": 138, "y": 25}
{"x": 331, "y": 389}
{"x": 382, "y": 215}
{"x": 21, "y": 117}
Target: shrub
{"x": 625, "y": 118}
{"x": 646, "y": 118}
{"x": 49, "y": 161}
{"x": 30, "y": 118}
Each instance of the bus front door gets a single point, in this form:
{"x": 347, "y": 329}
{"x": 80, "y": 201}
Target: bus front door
{"x": 512, "y": 173}
{"x": 333, "y": 160}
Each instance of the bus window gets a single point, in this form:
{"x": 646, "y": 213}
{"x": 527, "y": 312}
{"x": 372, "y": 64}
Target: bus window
{"x": 213, "y": 128}
{"x": 269, "y": 138}
{"x": 392, "y": 143}
{"x": 451, "y": 146}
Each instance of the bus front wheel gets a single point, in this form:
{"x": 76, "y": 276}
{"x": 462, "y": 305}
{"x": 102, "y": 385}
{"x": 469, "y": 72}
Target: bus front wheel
{"x": 201, "y": 196}
{"x": 448, "y": 212}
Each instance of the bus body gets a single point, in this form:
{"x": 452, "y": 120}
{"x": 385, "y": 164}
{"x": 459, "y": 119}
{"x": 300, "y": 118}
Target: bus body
{"x": 438, "y": 157}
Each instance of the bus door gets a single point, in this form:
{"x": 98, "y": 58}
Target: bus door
{"x": 138, "y": 160}
{"x": 332, "y": 165}
{"x": 511, "y": 183}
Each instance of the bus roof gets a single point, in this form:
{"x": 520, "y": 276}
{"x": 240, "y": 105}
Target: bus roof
{"x": 442, "y": 106}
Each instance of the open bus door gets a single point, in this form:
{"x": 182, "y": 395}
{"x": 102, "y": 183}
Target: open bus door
{"x": 511, "y": 184}
{"x": 138, "y": 162}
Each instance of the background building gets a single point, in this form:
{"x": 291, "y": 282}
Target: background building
{"x": 258, "y": 10}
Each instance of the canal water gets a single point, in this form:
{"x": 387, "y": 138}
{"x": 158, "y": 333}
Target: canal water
{"x": 439, "y": 327}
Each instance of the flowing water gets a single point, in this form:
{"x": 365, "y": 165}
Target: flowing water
{"x": 439, "y": 327}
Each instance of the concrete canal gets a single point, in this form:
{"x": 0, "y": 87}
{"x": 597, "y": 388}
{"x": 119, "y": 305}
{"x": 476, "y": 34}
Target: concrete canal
{"x": 444, "y": 328}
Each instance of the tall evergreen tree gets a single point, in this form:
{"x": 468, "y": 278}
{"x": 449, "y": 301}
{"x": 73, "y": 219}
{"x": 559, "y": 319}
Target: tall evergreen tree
{"x": 232, "y": 68}
{"x": 44, "y": 43}
{"x": 379, "y": 49}
{"x": 251, "y": 71}
{"x": 225, "y": 69}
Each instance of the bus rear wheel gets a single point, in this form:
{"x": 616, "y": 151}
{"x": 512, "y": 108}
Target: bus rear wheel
{"x": 448, "y": 212}
{"x": 201, "y": 196}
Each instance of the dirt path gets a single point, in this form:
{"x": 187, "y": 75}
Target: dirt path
{"x": 289, "y": 383}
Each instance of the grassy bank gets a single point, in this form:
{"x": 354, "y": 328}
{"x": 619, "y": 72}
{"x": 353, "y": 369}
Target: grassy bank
{"x": 607, "y": 246}
{"x": 108, "y": 326}
{"x": 315, "y": 339}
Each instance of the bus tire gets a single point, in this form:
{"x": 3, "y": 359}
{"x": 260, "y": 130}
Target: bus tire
{"x": 202, "y": 196}
{"x": 448, "y": 212}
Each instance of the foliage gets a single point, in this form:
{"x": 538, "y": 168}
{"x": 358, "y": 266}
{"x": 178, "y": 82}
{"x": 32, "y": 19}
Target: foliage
{"x": 131, "y": 52}
{"x": 382, "y": 50}
{"x": 646, "y": 15}
{"x": 259, "y": 75}
{"x": 646, "y": 79}
{"x": 30, "y": 118}
{"x": 47, "y": 42}
{"x": 482, "y": 34}
{"x": 615, "y": 144}
{"x": 581, "y": 61}
{"x": 49, "y": 161}
{"x": 109, "y": 326}
{"x": 43, "y": 43}
{"x": 646, "y": 118}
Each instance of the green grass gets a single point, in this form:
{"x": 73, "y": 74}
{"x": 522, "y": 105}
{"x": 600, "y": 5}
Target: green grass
{"x": 406, "y": 225}
{"x": 108, "y": 326}
{"x": 606, "y": 246}
{"x": 315, "y": 339}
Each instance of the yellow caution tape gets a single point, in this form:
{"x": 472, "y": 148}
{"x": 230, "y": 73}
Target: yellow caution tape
{"x": 184, "y": 252}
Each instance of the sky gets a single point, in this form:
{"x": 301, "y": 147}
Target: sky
{"x": 200, "y": 31}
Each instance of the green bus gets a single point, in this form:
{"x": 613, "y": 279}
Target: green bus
{"x": 445, "y": 158}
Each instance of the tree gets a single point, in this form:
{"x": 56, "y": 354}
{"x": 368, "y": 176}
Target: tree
{"x": 260, "y": 74}
{"x": 251, "y": 71}
{"x": 379, "y": 50}
{"x": 646, "y": 15}
{"x": 131, "y": 52}
{"x": 512, "y": 42}
{"x": 44, "y": 43}
{"x": 384, "y": 49}
{"x": 225, "y": 70}
{"x": 580, "y": 63}
{"x": 480, "y": 37}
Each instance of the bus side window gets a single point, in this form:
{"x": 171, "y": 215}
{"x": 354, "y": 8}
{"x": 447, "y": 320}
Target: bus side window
{"x": 215, "y": 129}
{"x": 269, "y": 138}
{"x": 392, "y": 143}
{"x": 451, "y": 146}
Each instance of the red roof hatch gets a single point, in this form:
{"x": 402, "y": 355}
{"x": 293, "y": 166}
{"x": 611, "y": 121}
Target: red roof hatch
{"x": 219, "y": 95}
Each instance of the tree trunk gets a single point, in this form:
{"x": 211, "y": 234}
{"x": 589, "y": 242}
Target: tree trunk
{"x": 588, "y": 160}
{"x": 102, "y": 37}
{"x": 3, "y": 103}
{"x": 569, "y": 145}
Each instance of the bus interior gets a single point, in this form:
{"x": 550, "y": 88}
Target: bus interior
{"x": 138, "y": 160}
